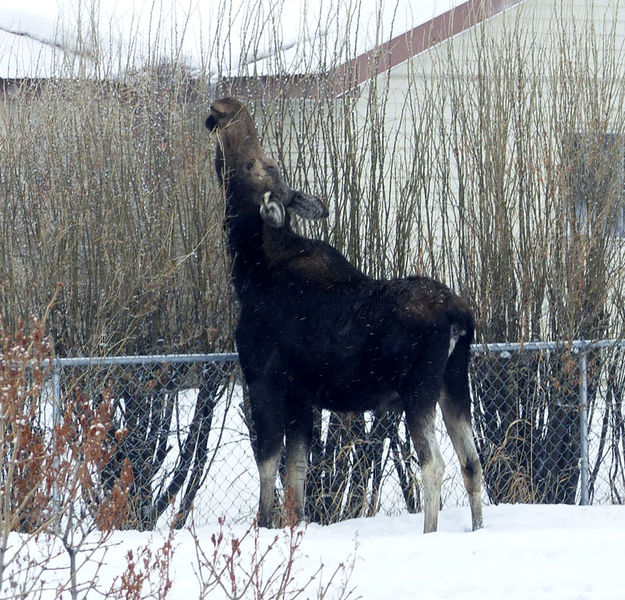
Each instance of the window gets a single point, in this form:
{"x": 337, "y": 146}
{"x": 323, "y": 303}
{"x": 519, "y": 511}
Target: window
{"x": 598, "y": 171}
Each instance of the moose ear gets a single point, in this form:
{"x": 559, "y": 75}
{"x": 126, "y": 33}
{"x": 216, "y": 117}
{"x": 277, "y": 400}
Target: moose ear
{"x": 272, "y": 211}
{"x": 307, "y": 206}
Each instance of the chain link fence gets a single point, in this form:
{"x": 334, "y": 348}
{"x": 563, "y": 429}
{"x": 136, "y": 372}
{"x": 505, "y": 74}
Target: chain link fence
{"x": 548, "y": 418}
{"x": 549, "y": 421}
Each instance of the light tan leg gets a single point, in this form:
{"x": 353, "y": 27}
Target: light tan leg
{"x": 423, "y": 433}
{"x": 458, "y": 424}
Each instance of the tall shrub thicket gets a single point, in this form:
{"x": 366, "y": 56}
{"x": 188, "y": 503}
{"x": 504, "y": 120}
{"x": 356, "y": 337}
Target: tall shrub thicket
{"x": 495, "y": 165}
{"x": 108, "y": 189}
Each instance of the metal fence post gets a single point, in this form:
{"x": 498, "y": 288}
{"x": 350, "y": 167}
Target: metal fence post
{"x": 583, "y": 427}
{"x": 56, "y": 420}
{"x": 56, "y": 392}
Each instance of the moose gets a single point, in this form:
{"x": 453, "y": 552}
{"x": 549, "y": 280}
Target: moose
{"x": 315, "y": 331}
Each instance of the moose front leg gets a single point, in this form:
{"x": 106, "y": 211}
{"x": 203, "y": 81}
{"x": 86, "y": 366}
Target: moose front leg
{"x": 268, "y": 417}
{"x": 298, "y": 440}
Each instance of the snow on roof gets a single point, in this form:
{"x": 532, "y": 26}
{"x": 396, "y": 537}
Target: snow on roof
{"x": 43, "y": 38}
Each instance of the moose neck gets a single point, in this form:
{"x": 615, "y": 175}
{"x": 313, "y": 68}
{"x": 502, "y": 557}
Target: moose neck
{"x": 245, "y": 240}
{"x": 254, "y": 245}
{"x": 245, "y": 233}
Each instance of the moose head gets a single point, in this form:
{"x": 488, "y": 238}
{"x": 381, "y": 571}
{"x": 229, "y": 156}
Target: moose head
{"x": 248, "y": 174}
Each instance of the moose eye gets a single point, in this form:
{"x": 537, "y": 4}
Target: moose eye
{"x": 250, "y": 165}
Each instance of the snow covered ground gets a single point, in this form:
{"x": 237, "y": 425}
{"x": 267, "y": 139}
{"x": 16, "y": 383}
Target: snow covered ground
{"x": 523, "y": 552}
{"x": 555, "y": 552}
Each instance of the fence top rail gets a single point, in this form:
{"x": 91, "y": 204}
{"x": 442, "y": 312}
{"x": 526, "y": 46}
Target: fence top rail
{"x": 95, "y": 361}
{"x": 572, "y": 345}
{"x": 493, "y": 347}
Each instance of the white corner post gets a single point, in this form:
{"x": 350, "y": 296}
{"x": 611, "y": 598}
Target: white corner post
{"x": 583, "y": 427}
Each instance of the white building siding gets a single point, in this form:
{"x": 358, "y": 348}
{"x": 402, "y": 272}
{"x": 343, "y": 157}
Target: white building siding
{"x": 544, "y": 22}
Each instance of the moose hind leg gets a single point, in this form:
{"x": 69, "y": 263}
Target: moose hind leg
{"x": 421, "y": 422}
{"x": 458, "y": 423}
